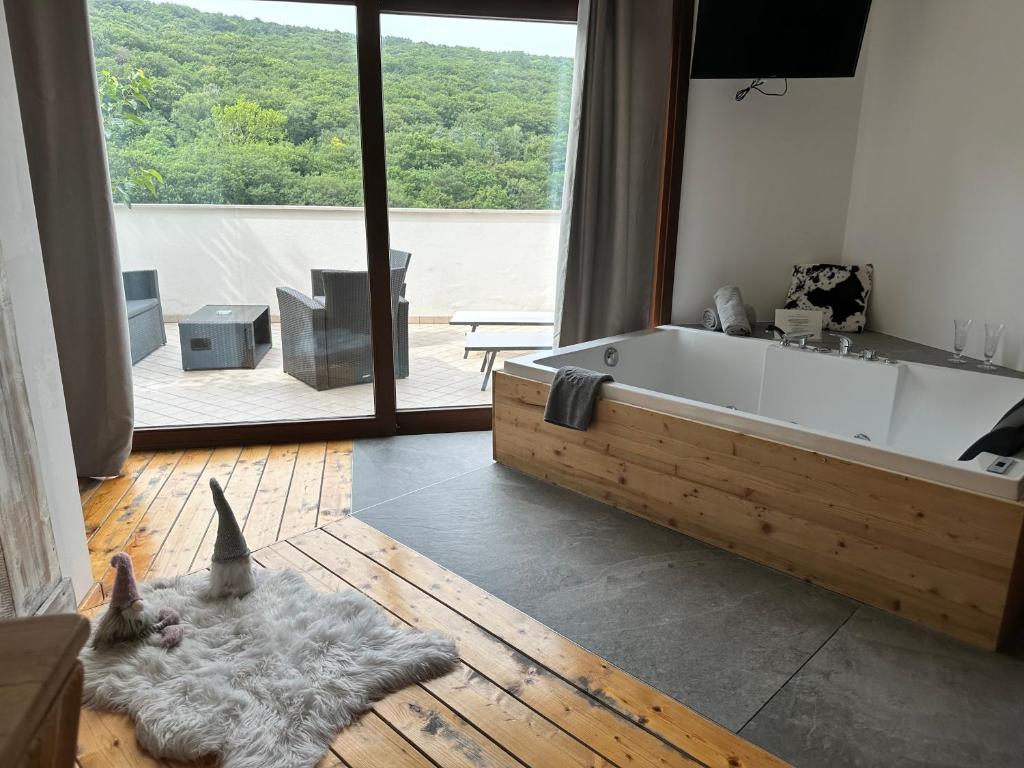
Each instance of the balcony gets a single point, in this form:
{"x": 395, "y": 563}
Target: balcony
{"x": 462, "y": 260}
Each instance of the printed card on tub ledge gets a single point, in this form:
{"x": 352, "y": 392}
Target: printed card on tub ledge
{"x": 800, "y": 321}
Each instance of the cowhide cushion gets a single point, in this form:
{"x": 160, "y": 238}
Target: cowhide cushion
{"x": 840, "y": 291}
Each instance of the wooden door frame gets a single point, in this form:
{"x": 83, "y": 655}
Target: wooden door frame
{"x": 375, "y": 210}
{"x": 509, "y": 10}
{"x": 387, "y": 419}
{"x": 30, "y": 570}
{"x": 671, "y": 185}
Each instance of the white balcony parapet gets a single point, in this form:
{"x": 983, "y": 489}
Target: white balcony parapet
{"x": 233, "y": 254}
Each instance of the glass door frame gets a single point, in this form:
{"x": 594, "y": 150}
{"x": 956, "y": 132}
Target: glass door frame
{"x": 386, "y": 418}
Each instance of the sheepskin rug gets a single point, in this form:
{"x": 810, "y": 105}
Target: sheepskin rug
{"x": 265, "y": 681}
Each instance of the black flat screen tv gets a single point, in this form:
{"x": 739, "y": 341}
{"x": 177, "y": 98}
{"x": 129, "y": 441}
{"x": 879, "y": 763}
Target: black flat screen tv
{"x": 778, "y": 38}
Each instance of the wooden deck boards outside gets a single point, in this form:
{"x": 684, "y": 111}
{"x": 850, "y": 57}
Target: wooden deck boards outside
{"x": 521, "y": 695}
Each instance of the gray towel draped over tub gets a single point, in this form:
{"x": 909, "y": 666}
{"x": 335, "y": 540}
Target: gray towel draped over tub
{"x": 572, "y": 396}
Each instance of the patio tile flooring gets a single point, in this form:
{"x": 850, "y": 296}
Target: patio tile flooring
{"x": 165, "y": 395}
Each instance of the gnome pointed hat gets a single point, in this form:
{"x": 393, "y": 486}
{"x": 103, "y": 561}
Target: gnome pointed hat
{"x": 125, "y": 591}
{"x": 230, "y": 544}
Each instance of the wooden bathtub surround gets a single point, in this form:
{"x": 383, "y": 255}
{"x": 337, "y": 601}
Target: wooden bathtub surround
{"x": 941, "y": 556}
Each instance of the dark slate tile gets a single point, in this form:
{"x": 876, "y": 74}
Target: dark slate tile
{"x": 387, "y": 467}
{"x": 717, "y": 632}
{"x": 885, "y": 692}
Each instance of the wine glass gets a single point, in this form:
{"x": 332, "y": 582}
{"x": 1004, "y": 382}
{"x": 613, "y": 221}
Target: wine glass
{"x": 993, "y": 333}
{"x": 961, "y": 327}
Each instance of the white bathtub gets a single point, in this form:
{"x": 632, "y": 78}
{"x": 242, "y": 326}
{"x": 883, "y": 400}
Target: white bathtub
{"x": 913, "y": 419}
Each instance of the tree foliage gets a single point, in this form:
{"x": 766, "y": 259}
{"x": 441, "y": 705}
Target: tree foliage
{"x": 238, "y": 111}
{"x": 123, "y": 101}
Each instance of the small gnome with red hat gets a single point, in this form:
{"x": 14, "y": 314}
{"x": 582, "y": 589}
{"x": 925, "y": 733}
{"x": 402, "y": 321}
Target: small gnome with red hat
{"x": 126, "y": 620}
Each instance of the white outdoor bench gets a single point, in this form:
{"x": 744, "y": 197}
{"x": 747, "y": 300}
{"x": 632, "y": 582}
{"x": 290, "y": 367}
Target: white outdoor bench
{"x": 475, "y": 318}
{"x": 491, "y": 343}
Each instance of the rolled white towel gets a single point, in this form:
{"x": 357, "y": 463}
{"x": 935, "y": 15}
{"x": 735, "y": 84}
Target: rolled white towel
{"x": 709, "y": 317}
{"x": 731, "y": 312}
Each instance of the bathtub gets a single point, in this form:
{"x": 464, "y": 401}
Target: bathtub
{"x": 838, "y": 470}
{"x": 914, "y": 419}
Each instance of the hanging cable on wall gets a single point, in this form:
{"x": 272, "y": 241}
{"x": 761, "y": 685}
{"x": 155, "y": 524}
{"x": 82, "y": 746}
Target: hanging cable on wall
{"x": 755, "y": 85}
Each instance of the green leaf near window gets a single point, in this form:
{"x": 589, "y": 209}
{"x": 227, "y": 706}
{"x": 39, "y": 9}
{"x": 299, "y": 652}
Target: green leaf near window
{"x": 122, "y": 102}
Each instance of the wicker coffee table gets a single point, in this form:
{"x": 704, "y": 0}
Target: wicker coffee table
{"x": 224, "y": 336}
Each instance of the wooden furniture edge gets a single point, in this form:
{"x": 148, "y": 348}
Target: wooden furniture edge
{"x": 1013, "y": 615}
{"x": 66, "y": 633}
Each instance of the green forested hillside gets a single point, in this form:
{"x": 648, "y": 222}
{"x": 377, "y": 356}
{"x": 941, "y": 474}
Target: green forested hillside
{"x": 248, "y": 112}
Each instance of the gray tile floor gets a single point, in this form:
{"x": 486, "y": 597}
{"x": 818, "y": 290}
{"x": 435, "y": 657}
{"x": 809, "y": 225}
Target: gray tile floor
{"x": 814, "y": 677}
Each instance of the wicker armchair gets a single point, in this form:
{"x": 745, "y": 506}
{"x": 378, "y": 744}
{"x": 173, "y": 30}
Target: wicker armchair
{"x": 145, "y": 314}
{"x": 325, "y": 338}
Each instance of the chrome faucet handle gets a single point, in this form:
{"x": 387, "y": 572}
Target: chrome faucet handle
{"x": 787, "y": 339}
{"x": 845, "y": 343}
{"x": 800, "y": 339}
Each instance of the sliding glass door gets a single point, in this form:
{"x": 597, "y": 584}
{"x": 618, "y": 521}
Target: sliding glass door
{"x": 476, "y": 115}
{"x": 233, "y": 139}
{"x": 307, "y": 193}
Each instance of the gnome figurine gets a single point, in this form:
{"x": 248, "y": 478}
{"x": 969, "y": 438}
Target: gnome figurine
{"x": 125, "y": 620}
{"x": 230, "y": 567}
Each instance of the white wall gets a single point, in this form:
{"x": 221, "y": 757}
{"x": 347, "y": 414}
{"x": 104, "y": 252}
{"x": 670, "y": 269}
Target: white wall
{"x": 916, "y": 165}
{"x": 938, "y": 187}
{"x": 239, "y": 254}
{"x": 27, "y": 285}
{"x": 766, "y": 185}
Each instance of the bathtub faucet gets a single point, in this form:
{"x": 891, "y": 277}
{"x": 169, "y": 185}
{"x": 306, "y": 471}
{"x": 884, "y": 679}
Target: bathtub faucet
{"x": 845, "y": 342}
{"x": 787, "y": 339}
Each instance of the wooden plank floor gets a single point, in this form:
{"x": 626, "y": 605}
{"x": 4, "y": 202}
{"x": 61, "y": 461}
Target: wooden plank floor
{"x": 521, "y": 695}
{"x": 160, "y": 510}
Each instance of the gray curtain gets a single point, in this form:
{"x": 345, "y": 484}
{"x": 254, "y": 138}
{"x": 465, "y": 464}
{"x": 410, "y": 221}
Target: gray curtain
{"x": 60, "y": 115}
{"x": 609, "y": 225}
